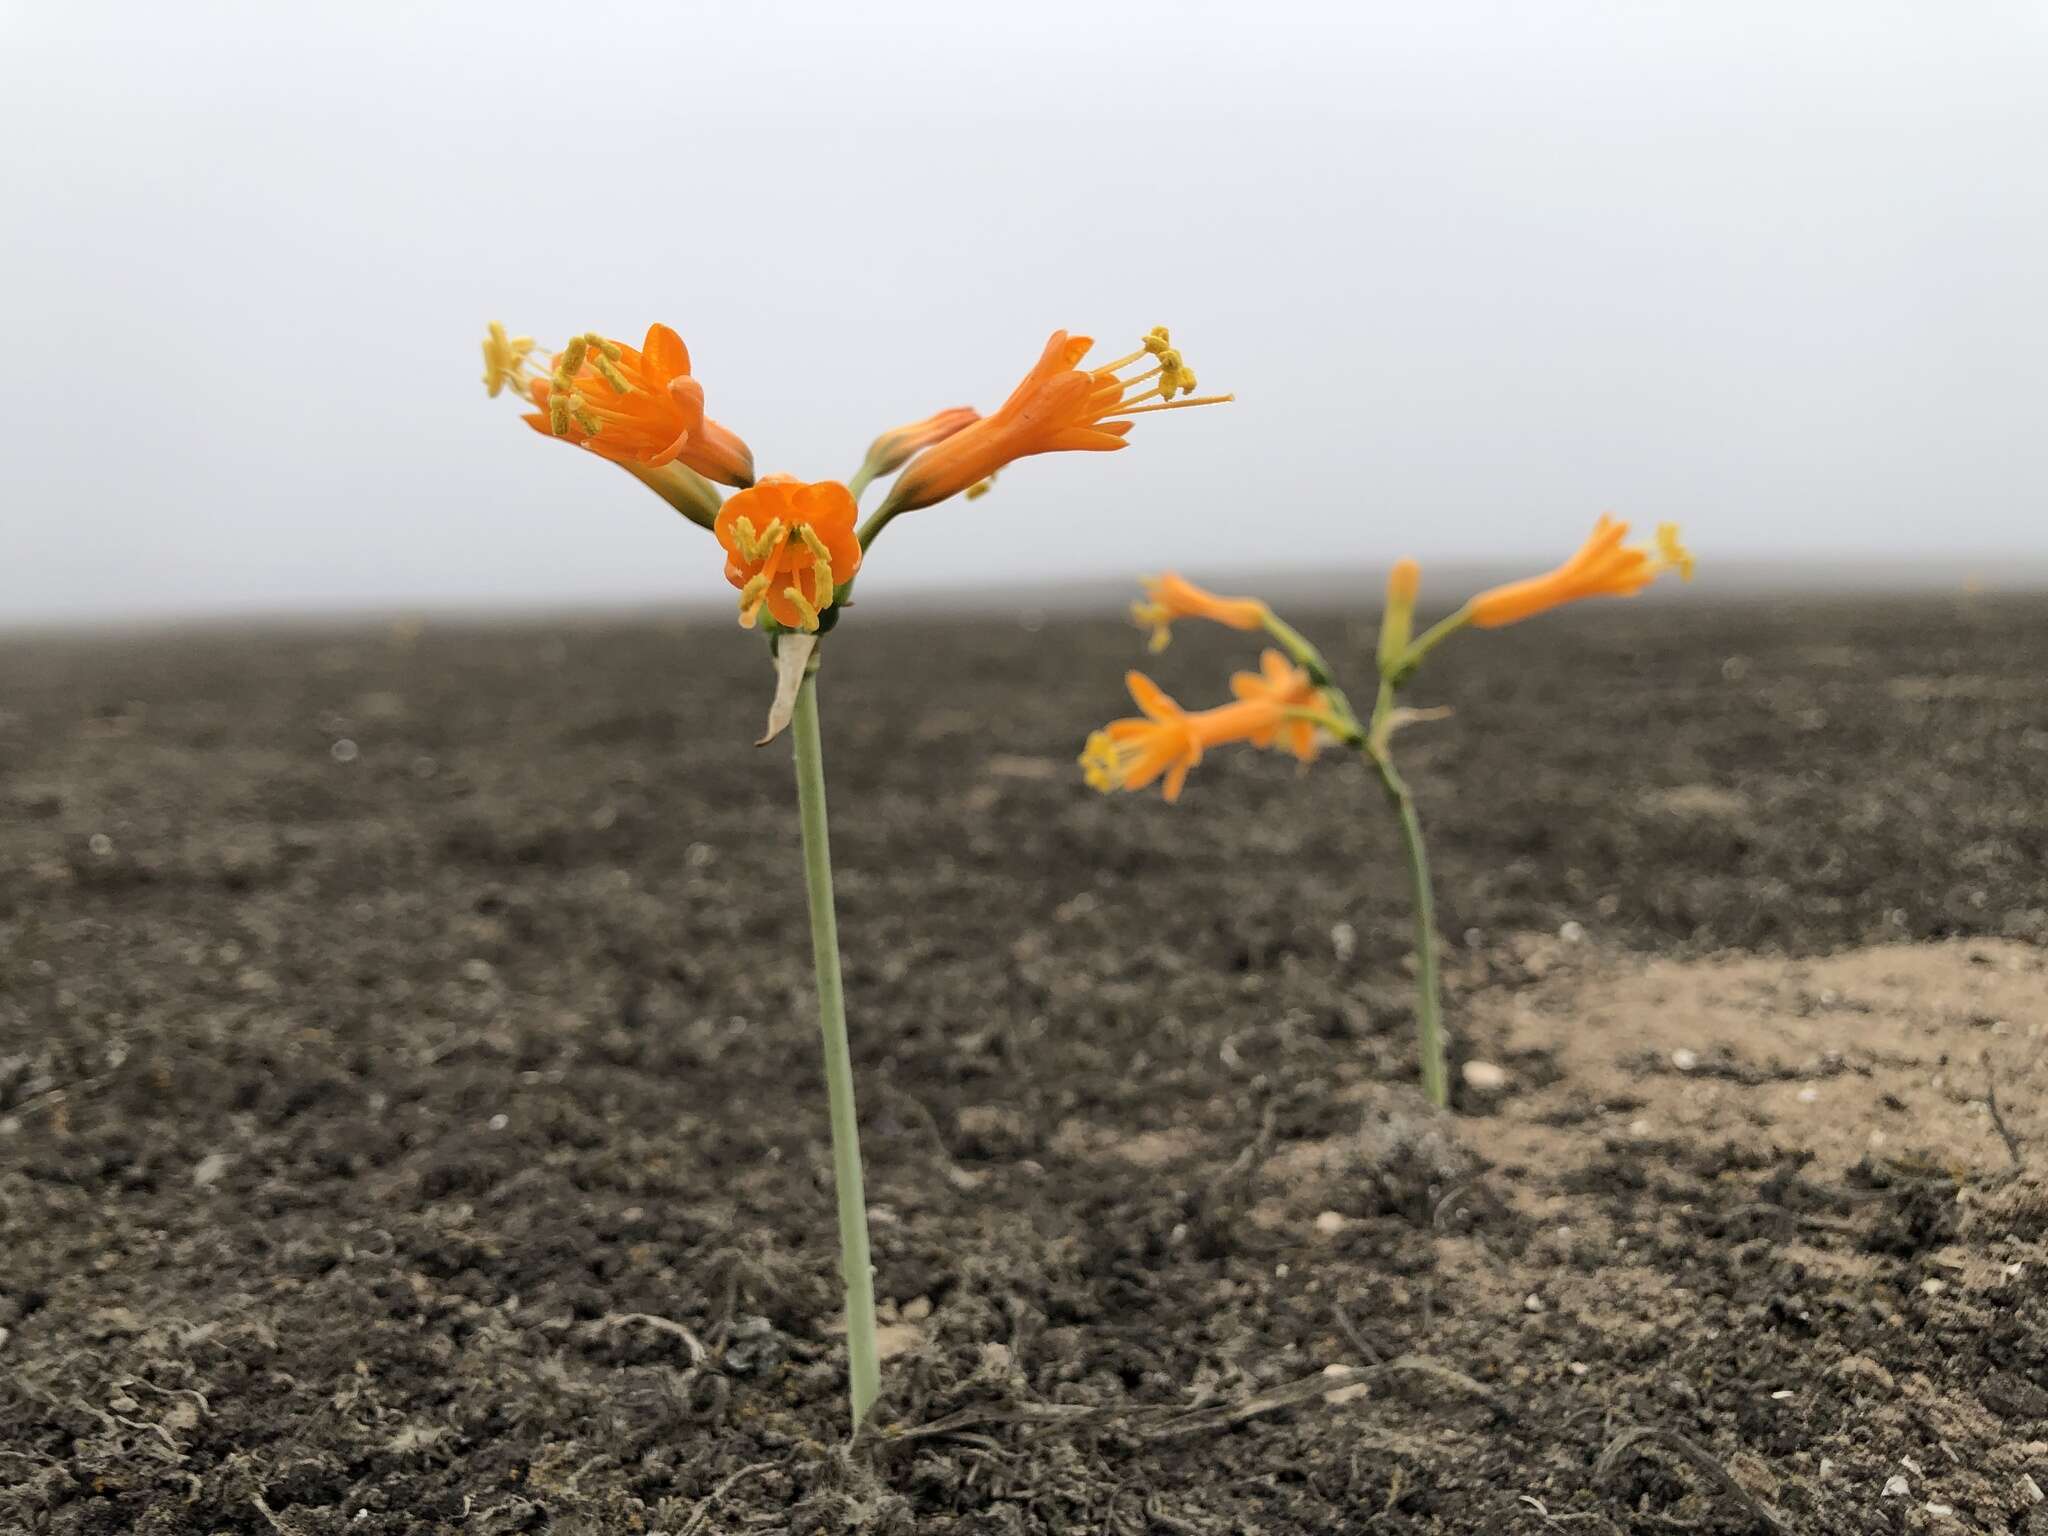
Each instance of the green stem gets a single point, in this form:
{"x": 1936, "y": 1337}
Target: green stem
{"x": 1431, "y": 638}
{"x": 1428, "y": 984}
{"x": 877, "y": 521}
{"x": 855, "y": 1267}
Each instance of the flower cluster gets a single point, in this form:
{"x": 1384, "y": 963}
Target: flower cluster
{"x": 1293, "y": 701}
{"x": 792, "y": 548}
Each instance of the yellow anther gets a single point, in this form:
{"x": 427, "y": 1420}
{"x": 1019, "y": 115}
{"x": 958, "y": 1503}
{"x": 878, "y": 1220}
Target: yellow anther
{"x": 558, "y": 413}
{"x": 585, "y": 417}
{"x": 607, "y": 348}
{"x": 770, "y": 540}
{"x": 804, "y": 610}
{"x": 1099, "y": 765}
{"x": 504, "y": 359}
{"x": 1157, "y": 340}
{"x": 1672, "y": 553}
{"x": 571, "y": 362}
{"x": 981, "y": 488}
{"x": 609, "y": 372}
{"x": 751, "y": 596}
{"x": 743, "y": 534}
{"x": 821, "y": 564}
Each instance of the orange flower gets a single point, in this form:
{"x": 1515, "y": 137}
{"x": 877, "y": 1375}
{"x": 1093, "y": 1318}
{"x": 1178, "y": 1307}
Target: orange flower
{"x": 1131, "y": 753}
{"x": 1603, "y": 567}
{"x": 1172, "y": 596}
{"x": 1057, "y": 408}
{"x": 633, "y": 407}
{"x": 894, "y": 448}
{"x": 788, "y": 547}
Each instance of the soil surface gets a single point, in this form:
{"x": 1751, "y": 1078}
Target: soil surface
{"x": 410, "y": 1114}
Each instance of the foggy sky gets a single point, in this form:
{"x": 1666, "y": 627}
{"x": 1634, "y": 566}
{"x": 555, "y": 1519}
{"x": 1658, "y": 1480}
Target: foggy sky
{"x": 1476, "y": 272}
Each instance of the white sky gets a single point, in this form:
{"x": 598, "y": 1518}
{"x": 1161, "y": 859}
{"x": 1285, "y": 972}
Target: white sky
{"x": 1476, "y": 272}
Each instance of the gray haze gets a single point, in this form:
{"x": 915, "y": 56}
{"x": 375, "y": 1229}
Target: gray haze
{"x": 1475, "y": 271}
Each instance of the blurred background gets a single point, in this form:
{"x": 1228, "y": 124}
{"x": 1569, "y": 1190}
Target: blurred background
{"x": 1475, "y": 271}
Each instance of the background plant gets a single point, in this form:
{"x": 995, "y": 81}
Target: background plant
{"x": 1294, "y": 702}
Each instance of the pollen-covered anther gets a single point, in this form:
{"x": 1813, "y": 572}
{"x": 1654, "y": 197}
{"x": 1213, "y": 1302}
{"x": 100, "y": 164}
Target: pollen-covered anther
{"x": 505, "y": 360}
{"x": 1168, "y": 377}
{"x": 752, "y": 595}
{"x": 821, "y": 563}
{"x": 803, "y": 606}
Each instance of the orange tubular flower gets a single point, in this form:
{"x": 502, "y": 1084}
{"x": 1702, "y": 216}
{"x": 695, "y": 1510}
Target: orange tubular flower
{"x": 1172, "y": 596}
{"x": 788, "y": 547}
{"x": 639, "y": 408}
{"x": 895, "y": 448}
{"x": 1131, "y": 753}
{"x": 1059, "y": 407}
{"x": 1603, "y": 567}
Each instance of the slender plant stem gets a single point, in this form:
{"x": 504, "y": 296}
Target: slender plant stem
{"x": 855, "y": 1266}
{"x": 1428, "y": 984}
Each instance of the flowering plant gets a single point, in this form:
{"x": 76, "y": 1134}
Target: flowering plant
{"x": 793, "y": 549}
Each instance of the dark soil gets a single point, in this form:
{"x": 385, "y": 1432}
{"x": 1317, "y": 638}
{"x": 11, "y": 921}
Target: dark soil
{"x": 410, "y": 1117}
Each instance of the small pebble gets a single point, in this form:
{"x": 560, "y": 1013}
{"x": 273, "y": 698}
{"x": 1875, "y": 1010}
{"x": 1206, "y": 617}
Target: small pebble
{"x": 499, "y": 1122}
{"x": 344, "y": 751}
{"x": 1533, "y": 1303}
{"x": 100, "y": 844}
{"x": 1896, "y": 1487}
{"x": 1330, "y": 1223}
{"x": 1572, "y": 933}
{"x": 1484, "y": 1076}
{"x": 2028, "y": 1487}
{"x": 1684, "y": 1059}
{"x": 1809, "y": 1095}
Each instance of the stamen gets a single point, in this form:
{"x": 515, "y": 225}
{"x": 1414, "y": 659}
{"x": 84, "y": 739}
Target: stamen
{"x": 558, "y": 412}
{"x": 1173, "y": 405}
{"x": 751, "y": 598}
{"x": 743, "y": 532}
{"x": 821, "y": 565}
{"x": 571, "y": 362}
{"x": 803, "y": 607}
{"x": 608, "y": 371}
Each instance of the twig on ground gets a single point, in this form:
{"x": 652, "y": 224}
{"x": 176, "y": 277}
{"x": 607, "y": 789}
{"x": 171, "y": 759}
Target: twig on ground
{"x": 704, "y": 1509}
{"x": 2012, "y": 1142}
{"x": 698, "y": 1353}
{"x": 1634, "y": 1438}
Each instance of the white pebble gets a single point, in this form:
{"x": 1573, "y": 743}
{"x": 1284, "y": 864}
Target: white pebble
{"x": 344, "y": 751}
{"x": 1484, "y": 1076}
{"x": 1896, "y": 1487}
{"x": 1572, "y": 933}
{"x": 1684, "y": 1059}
